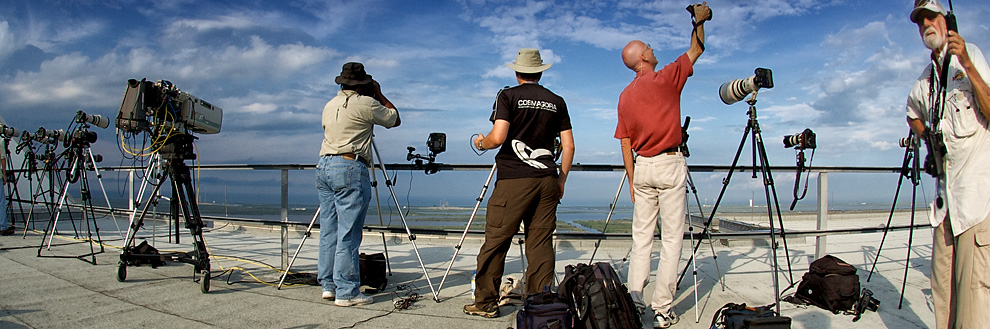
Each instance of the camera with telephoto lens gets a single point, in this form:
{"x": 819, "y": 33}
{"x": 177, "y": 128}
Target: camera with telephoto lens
{"x": 800, "y": 141}
{"x": 908, "y": 142}
{"x": 8, "y": 131}
{"x": 96, "y": 120}
{"x": 50, "y": 136}
{"x": 735, "y": 90}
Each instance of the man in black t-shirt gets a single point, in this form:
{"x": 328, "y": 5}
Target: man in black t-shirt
{"x": 527, "y": 119}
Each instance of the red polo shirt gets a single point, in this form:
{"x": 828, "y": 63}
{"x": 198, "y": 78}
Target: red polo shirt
{"x": 650, "y": 108}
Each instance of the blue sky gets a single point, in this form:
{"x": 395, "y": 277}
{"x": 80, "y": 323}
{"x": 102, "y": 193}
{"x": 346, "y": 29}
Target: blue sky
{"x": 841, "y": 68}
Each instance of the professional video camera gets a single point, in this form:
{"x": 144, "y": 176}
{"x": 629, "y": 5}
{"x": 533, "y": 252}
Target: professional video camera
{"x": 800, "y": 141}
{"x": 437, "y": 143}
{"x": 152, "y": 104}
{"x": 169, "y": 117}
{"x": 735, "y": 90}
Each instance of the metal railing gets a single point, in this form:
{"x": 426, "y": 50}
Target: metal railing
{"x": 821, "y": 233}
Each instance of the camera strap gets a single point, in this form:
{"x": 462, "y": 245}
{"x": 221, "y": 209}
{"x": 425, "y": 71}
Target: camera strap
{"x": 936, "y": 93}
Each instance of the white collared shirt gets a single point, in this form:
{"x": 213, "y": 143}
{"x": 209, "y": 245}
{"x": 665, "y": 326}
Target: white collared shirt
{"x": 965, "y": 187}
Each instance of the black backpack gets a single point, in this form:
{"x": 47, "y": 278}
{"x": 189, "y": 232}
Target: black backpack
{"x": 598, "y": 298}
{"x": 544, "y": 310}
{"x": 740, "y": 316}
{"x": 831, "y": 284}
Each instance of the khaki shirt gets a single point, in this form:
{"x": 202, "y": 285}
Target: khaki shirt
{"x": 348, "y": 123}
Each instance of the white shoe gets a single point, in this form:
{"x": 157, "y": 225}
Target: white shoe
{"x": 360, "y": 299}
{"x": 665, "y": 320}
{"x": 329, "y": 295}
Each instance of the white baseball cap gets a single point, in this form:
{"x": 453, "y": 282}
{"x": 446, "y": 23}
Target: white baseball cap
{"x": 930, "y": 5}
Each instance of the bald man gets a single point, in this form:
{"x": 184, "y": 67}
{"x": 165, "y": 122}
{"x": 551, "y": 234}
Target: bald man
{"x": 649, "y": 125}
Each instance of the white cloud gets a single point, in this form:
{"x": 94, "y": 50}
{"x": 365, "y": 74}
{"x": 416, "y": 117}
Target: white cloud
{"x": 793, "y": 113}
{"x": 8, "y": 43}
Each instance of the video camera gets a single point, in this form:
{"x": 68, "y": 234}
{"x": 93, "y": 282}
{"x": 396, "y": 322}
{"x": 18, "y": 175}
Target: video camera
{"x": 148, "y": 104}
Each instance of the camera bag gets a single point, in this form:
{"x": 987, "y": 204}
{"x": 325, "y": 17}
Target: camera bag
{"x": 598, "y": 297}
{"x": 740, "y": 316}
{"x": 544, "y": 310}
{"x": 373, "y": 271}
{"x": 831, "y": 284}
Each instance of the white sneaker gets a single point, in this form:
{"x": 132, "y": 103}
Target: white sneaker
{"x": 329, "y": 295}
{"x": 665, "y": 320}
{"x": 360, "y": 299}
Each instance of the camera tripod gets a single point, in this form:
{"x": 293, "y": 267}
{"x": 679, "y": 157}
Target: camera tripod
{"x": 43, "y": 175}
{"x": 690, "y": 188}
{"x": 910, "y": 169}
{"x": 411, "y": 237}
{"x": 761, "y": 163}
{"x": 175, "y": 151}
{"x": 460, "y": 242}
{"x": 77, "y": 157}
{"x": 316, "y": 216}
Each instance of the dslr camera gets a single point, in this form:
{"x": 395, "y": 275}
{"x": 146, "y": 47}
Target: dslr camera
{"x": 800, "y": 141}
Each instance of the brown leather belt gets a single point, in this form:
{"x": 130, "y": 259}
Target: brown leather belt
{"x": 672, "y": 150}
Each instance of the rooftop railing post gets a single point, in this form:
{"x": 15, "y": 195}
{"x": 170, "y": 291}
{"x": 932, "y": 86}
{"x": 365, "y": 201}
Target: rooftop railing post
{"x": 821, "y": 240}
{"x": 285, "y": 218}
{"x": 130, "y": 190}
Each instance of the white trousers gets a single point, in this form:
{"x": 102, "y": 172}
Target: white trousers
{"x": 659, "y": 187}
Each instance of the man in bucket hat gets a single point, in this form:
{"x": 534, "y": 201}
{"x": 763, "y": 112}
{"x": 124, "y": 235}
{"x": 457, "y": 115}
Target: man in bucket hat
{"x": 948, "y": 106}
{"x": 343, "y": 180}
{"x": 649, "y": 113}
{"x": 527, "y": 120}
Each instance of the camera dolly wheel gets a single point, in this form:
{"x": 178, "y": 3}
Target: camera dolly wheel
{"x": 121, "y": 271}
{"x": 204, "y": 283}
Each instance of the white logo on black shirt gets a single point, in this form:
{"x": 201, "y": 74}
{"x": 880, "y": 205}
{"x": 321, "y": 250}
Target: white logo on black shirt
{"x": 528, "y": 155}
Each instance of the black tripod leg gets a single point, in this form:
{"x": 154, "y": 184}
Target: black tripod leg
{"x": 182, "y": 182}
{"x": 904, "y": 174}
{"x": 907, "y": 260}
{"x": 611, "y": 208}
{"x": 718, "y": 201}
{"x": 768, "y": 181}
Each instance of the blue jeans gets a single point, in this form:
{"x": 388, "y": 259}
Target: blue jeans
{"x": 345, "y": 190}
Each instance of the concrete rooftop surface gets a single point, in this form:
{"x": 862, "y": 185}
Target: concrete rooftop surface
{"x": 59, "y": 290}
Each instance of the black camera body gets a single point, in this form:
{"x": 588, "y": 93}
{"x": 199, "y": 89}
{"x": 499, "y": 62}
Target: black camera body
{"x": 800, "y": 141}
{"x": 865, "y": 302}
{"x": 437, "y": 142}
